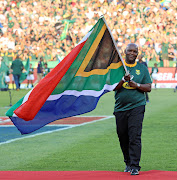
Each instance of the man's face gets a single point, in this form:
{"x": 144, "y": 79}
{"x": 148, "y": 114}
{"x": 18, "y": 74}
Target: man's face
{"x": 131, "y": 53}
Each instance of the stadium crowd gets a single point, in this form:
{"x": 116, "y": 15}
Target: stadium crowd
{"x": 34, "y": 28}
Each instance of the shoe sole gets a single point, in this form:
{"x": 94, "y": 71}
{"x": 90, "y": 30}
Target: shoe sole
{"x": 134, "y": 174}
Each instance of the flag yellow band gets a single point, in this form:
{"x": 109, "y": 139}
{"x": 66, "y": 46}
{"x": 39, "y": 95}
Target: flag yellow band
{"x": 89, "y": 55}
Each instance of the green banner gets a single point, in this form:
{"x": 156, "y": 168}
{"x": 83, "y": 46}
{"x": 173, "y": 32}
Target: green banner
{"x": 66, "y": 27}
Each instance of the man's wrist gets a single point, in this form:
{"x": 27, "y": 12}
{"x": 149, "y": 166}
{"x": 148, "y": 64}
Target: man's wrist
{"x": 138, "y": 85}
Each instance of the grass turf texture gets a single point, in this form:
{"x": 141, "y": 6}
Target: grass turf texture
{"x": 95, "y": 146}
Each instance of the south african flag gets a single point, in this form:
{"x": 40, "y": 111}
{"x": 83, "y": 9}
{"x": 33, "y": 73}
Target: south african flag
{"x": 93, "y": 68}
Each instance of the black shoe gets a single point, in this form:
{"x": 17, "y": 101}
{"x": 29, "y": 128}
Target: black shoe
{"x": 134, "y": 172}
{"x": 127, "y": 169}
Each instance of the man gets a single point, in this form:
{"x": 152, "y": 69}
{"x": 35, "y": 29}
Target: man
{"x": 17, "y": 67}
{"x": 130, "y": 107}
{"x": 39, "y": 70}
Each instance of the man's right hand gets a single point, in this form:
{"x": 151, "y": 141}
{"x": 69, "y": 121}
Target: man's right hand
{"x": 127, "y": 77}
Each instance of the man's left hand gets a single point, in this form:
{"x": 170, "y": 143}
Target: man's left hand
{"x": 133, "y": 84}
{"x": 142, "y": 87}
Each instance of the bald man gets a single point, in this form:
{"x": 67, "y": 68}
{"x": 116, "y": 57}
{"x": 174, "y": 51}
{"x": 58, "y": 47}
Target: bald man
{"x": 130, "y": 108}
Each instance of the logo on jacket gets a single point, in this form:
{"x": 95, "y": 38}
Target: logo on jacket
{"x": 137, "y": 71}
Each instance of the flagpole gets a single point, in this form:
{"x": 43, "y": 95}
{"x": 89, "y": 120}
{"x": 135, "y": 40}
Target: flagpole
{"x": 126, "y": 71}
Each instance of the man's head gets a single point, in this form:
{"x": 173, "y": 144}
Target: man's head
{"x": 17, "y": 57}
{"x": 10, "y": 50}
{"x": 131, "y": 52}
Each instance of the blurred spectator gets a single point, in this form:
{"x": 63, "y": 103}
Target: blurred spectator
{"x": 154, "y": 74}
{"x": 39, "y": 70}
{"x": 7, "y": 79}
{"x": 10, "y": 55}
{"x": 36, "y": 26}
{"x": 17, "y": 67}
{"x": 30, "y": 76}
{"x": 153, "y": 55}
{"x": 165, "y": 47}
{"x": 46, "y": 69}
{"x": 48, "y": 55}
{"x": 171, "y": 54}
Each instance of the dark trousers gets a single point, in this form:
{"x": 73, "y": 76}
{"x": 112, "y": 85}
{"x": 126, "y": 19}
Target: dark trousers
{"x": 17, "y": 80}
{"x": 129, "y": 129}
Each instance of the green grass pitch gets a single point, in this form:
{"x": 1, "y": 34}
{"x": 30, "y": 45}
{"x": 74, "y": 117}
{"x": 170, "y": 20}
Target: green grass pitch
{"x": 95, "y": 146}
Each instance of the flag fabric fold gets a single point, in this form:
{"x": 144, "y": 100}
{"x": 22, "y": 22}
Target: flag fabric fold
{"x": 75, "y": 85}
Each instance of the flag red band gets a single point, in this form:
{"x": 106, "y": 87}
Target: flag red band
{"x": 45, "y": 87}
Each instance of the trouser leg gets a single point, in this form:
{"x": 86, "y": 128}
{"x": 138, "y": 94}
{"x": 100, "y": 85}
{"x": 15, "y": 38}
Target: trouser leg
{"x": 129, "y": 128}
{"x": 19, "y": 81}
{"x": 135, "y": 121}
{"x": 16, "y": 81}
{"x": 122, "y": 132}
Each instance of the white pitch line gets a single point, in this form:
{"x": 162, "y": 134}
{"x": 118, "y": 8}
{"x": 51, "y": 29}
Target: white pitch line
{"x": 4, "y": 121}
{"x": 12, "y": 125}
{"x": 49, "y": 132}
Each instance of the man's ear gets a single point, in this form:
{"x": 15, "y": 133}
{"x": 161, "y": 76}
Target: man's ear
{"x": 125, "y": 51}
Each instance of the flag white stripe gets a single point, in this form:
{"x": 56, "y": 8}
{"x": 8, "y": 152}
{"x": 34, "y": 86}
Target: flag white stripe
{"x": 92, "y": 93}
{"x": 84, "y": 92}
